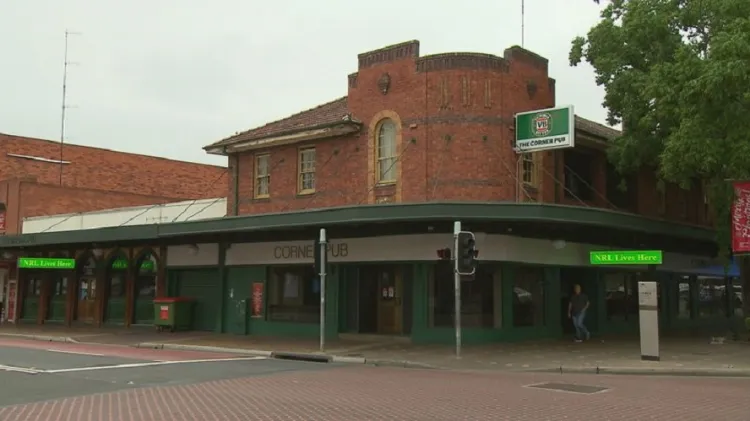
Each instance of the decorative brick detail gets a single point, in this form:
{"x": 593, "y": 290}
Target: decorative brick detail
{"x": 409, "y": 49}
{"x": 444, "y": 93}
{"x": 488, "y": 93}
{"x": 468, "y": 61}
{"x": 353, "y": 80}
{"x": 466, "y": 92}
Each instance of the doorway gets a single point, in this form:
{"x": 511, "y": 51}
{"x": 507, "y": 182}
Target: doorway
{"x": 381, "y": 299}
{"x": 586, "y": 278}
{"x": 145, "y": 289}
{"x": 57, "y": 297}
{"x": 117, "y": 271}
{"x": 86, "y": 294}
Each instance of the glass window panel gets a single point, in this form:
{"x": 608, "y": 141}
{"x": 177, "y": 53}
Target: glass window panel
{"x": 528, "y": 297}
{"x": 736, "y": 296}
{"x": 386, "y": 151}
{"x": 615, "y": 296}
{"x": 712, "y": 296}
{"x": 477, "y": 297}
{"x": 294, "y": 294}
{"x": 684, "y": 298}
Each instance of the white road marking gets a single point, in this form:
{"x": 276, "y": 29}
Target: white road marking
{"x": 19, "y": 369}
{"x": 75, "y": 352}
{"x": 149, "y": 364}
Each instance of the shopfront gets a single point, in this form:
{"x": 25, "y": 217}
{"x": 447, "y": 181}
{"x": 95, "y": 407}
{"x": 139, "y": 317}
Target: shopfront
{"x": 395, "y": 285}
{"x": 249, "y": 277}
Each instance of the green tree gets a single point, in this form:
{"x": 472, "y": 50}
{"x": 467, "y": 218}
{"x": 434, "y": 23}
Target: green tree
{"x": 676, "y": 75}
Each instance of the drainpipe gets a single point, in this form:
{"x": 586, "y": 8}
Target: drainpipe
{"x": 236, "y": 185}
{"x": 557, "y": 156}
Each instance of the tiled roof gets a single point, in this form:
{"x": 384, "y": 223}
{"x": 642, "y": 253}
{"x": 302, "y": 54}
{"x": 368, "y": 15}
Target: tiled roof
{"x": 327, "y": 113}
{"x": 596, "y": 129}
{"x": 334, "y": 111}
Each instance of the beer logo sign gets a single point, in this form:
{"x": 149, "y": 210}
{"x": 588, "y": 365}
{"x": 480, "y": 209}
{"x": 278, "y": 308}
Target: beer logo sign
{"x": 541, "y": 124}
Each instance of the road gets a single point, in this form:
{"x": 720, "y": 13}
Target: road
{"x": 77, "y": 382}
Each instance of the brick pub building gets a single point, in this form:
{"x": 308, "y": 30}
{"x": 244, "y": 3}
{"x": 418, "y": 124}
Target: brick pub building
{"x": 418, "y": 142}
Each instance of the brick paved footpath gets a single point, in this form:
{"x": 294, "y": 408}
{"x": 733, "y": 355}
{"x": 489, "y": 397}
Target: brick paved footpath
{"x": 356, "y": 393}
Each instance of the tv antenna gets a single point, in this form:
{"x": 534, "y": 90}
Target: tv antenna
{"x": 65, "y": 105}
{"x": 523, "y": 22}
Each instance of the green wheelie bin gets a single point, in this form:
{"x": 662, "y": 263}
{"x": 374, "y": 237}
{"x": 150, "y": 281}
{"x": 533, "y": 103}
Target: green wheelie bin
{"x": 173, "y": 313}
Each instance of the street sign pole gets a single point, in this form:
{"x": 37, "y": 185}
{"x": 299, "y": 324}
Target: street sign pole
{"x": 322, "y": 274}
{"x": 457, "y": 287}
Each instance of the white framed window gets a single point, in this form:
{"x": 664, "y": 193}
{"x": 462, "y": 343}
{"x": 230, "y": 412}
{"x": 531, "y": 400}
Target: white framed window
{"x": 262, "y": 176}
{"x": 306, "y": 171}
{"x": 386, "y": 152}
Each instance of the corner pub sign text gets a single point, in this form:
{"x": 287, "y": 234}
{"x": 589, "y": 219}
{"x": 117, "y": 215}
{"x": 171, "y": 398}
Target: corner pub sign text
{"x": 308, "y": 251}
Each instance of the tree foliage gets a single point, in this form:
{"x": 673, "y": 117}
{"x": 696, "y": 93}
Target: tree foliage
{"x": 676, "y": 75}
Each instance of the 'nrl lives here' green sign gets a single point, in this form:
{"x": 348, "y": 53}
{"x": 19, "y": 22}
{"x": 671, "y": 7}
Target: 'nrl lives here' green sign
{"x": 45, "y": 263}
{"x": 540, "y": 130}
{"x": 630, "y": 257}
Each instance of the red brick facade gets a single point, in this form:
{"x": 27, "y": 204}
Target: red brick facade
{"x": 454, "y": 115}
{"x": 93, "y": 179}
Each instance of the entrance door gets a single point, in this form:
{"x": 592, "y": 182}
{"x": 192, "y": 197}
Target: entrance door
{"x": 57, "y": 298}
{"x": 381, "y": 300}
{"x": 86, "y": 295}
{"x": 389, "y": 303}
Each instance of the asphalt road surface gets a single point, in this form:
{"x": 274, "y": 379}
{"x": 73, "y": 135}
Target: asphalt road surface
{"x": 75, "y": 382}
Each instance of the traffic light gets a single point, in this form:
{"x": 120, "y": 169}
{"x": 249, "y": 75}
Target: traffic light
{"x": 466, "y": 254}
{"x": 444, "y": 254}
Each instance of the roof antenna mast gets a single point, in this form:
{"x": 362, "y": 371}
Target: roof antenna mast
{"x": 523, "y": 23}
{"x": 65, "y": 105}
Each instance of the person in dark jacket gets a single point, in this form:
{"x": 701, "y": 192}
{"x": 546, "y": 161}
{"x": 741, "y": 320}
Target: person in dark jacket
{"x": 577, "y": 307}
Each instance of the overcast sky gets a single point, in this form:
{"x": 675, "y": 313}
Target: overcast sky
{"x": 168, "y": 77}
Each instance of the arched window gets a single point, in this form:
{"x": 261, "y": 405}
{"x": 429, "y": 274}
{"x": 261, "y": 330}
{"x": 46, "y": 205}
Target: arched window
{"x": 386, "y": 152}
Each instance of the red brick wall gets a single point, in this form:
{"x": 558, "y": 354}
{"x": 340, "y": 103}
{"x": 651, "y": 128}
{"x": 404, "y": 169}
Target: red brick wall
{"x": 455, "y": 110}
{"x": 456, "y": 114}
{"x": 27, "y": 199}
{"x": 102, "y": 169}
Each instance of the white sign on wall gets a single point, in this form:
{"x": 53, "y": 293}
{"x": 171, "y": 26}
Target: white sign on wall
{"x": 403, "y": 248}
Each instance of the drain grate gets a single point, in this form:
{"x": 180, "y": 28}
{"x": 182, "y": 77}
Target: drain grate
{"x": 569, "y": 387}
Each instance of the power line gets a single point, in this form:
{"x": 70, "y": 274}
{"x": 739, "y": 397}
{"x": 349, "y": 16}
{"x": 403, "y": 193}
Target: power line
{"x": 312, "y": 199}
{"x": 393, "y": 164}
{"x": 598, "y": 193}
{"x": 210, "y": 186}
{"x": 439, "y": 170}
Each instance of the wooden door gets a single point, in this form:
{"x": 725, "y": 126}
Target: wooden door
{"x": 86, "y": 300}
{"x": 390, "y": 301}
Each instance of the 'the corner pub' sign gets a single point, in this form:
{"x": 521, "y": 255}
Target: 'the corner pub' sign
{"x": 540, "y": 130}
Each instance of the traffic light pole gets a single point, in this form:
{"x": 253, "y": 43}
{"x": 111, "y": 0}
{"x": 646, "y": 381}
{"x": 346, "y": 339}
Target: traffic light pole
{"x": 322, "y": 274}
{"x": 457, "y": 287}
